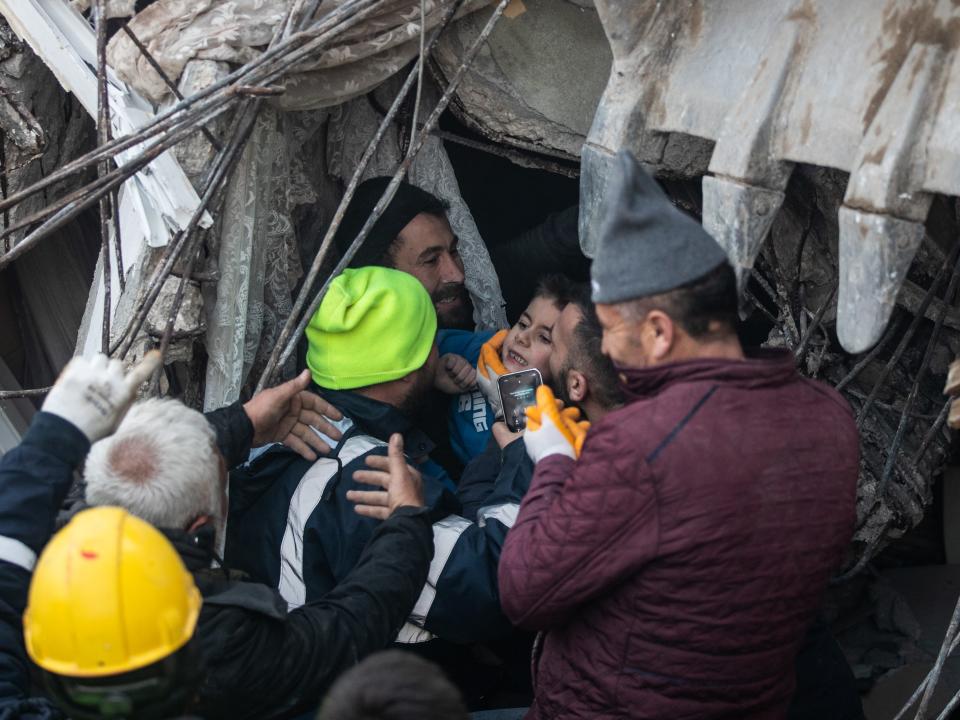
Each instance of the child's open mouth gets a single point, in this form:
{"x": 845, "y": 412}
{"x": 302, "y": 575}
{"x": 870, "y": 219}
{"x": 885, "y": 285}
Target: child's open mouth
{"x": 516, "y": 359}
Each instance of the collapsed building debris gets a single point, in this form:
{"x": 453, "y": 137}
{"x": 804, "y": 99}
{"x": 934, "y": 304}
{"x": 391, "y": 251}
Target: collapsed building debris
{"x": 824, "y": 159}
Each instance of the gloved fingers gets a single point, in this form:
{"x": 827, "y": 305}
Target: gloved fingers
{"x": 115, "y": 370}
{"x": 570, "y": 413}
{"x": 580, "y": 439}
{"x": 143, "y": 370}
{"x": 98, "y": 363}
{"x": 547, "y": 404}
{"x": 534, "y": 418}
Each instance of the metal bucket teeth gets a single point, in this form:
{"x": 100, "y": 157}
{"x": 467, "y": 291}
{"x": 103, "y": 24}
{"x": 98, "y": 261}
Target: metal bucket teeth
{"x": 739, "y": 216}
{"x": 875, "y": 254}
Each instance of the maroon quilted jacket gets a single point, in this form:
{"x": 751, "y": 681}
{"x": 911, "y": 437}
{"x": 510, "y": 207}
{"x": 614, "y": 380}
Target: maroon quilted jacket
{"x": 677, "y": 564}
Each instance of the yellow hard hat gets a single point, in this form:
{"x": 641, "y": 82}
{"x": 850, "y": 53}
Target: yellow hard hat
{"x": 109, "y": 595}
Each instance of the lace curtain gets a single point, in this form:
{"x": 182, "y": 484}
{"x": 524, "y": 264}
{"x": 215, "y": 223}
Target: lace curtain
{"x": 258, "y": 262}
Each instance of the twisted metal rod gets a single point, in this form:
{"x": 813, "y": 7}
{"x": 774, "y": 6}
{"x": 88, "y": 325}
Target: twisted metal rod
{"x": 921, "y": 374}
{"x": 107, "y": 215}
{"x": 385, "y": 199}
{"x": 908, "y": 335}
{"x": 934, "y": 675}
{"x": 273, "y": 362}
{"x": 200, "y": 108}
{"x": 399, "y": 175}
{"x": 171, "y": 85}
{"x": 892, "y": 331}
{"x": 17, "y": 394}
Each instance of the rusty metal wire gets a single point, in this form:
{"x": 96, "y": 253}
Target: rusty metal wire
{"x": 17, "y": 394}
{"x": 921, "y": 374}
{"x": 950, "y": 642}
{"x": 171, "y": 85}
{"x": 905, "y": 339}
{"x": 274, "y": 363}
{"x": 178, "y": 122}
{"x": 286, "y": 333}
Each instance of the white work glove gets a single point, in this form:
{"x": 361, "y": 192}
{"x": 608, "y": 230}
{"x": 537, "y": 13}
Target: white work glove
{"x": 552, "y": 431}
{"x": 490, "y": 390}
{"x": 489, "y": 370}
{"x": 93, "y": 394}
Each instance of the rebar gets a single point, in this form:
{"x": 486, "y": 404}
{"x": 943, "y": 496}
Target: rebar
{"x": 103, "y": 137}
{"x": 391, "y": 188}
{"x": 17, "y": 394}
{"x": 421, "y": 62}
{"x": 327, "y": 242}
{"x": 892, "y": 331}
{"x": 801, "y": 352}
{"x": 65, "y": 209}
{"x": 932, "y": 432}
{"x": 921, "y": 374}
{"x": 222, "y": 164}
{"x": 908, "y": 335}
{"x": 171, "y": 85}
{"x": 3, "y": 189}
{"x": 214, "y": 100}
{"x": 235, "y": 146}
{"x": 934, "y": 675}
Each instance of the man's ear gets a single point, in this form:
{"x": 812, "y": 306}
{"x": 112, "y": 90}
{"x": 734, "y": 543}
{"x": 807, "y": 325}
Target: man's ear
{"x": 576, "y": 386}
{"x": 199, "y": 523}
{"x": 662, "y": 334}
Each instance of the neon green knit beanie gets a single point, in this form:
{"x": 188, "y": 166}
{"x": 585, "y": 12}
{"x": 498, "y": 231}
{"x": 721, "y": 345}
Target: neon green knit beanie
{"x": 374, "y": 325}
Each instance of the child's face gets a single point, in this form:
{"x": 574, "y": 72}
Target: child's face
{"x": 529, "y": 342}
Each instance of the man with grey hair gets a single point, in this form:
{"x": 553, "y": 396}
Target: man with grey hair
{"x": 167, "y": 464}
{"x": 135, "y": 469}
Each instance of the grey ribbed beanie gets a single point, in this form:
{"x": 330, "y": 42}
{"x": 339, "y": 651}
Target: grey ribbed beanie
{"x": 646, "y": 245}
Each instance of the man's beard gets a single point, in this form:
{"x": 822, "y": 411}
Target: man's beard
{"x": 419, "y": 393}
{"x": 559, "y": 386}
{"x": 456, "y": 316}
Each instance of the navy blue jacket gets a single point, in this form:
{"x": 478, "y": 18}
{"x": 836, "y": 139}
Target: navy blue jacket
{"x": 292, "y": 527}
{"x": 34, "y": 479}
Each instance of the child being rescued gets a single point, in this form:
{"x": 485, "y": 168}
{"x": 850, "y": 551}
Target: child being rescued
{"x": 471, "y": 363}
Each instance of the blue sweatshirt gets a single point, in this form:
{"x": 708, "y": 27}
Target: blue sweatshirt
{"x": 470, "y": 416}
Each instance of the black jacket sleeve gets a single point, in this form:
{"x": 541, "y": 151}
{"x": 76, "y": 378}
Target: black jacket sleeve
{"x": 257, "y": 666}
{"x": 234, "y": 433}
{"x": 34, "y": 478}
{"x": 479, "y": 479}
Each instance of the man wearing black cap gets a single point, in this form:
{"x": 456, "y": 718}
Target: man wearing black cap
{"x": 677, "y": 563}
{"x": 414, "y": 236}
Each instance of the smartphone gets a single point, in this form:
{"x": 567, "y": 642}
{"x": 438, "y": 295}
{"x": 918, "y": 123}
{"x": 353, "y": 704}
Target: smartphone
{"x": 518, "y": 391}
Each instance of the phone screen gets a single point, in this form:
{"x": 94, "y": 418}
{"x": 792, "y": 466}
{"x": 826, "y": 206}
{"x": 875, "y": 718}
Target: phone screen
{"x": 518, "y": 391}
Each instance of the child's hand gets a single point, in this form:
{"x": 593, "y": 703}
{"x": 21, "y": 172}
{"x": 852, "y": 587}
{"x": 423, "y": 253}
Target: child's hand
{"x": 454, "y": 374}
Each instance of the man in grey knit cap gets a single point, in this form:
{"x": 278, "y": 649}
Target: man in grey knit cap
{"x": 677, "y": 563}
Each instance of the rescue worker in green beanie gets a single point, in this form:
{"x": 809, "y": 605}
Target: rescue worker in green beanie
{"x": 372, "y": 354}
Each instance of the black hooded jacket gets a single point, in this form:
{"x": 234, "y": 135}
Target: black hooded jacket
{"x": 260, "y": 661}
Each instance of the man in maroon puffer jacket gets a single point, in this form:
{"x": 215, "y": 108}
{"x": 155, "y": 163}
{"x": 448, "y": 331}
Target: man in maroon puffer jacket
{"x": 677, "y": 564}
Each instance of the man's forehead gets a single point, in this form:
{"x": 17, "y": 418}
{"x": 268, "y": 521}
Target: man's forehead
{"x": 563, "y": 329}
{"x": 570, "y": 317}
{"x": 425, "y": 231}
